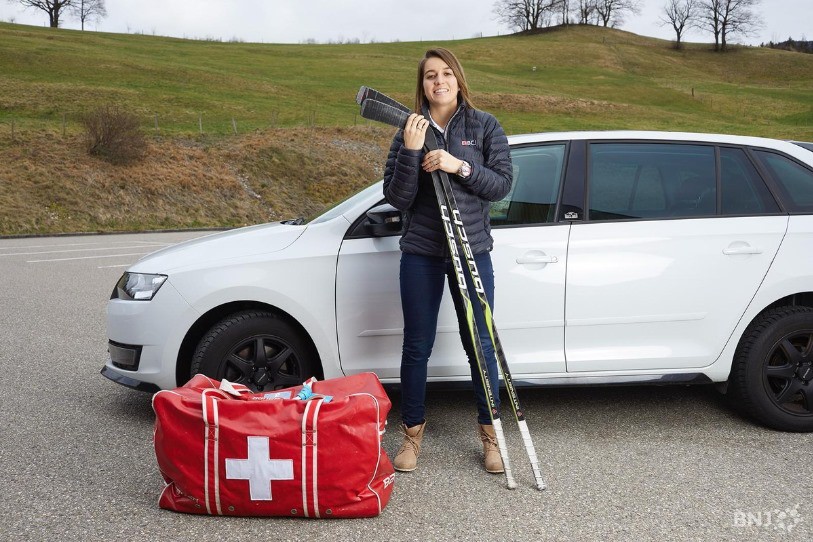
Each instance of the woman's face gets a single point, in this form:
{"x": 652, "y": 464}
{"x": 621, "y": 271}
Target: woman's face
{"x": 439, "y": 83}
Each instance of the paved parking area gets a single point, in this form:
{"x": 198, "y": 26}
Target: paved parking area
{"x": 633, "y": 463}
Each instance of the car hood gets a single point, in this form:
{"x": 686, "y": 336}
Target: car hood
{"x": 242, "y": 242}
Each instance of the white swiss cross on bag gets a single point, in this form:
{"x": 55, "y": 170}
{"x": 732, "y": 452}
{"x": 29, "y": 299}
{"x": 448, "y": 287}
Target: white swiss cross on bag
{"x": 259, "y": 470}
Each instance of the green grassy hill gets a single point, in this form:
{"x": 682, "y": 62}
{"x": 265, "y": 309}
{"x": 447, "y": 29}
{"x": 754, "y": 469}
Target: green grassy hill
{"x": 296, "y": 118}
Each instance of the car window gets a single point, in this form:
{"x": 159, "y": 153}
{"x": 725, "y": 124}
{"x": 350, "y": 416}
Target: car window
{"x": 651, "y": 180}
{"x": 537, "y": 176}
{"x": 743, "y": 190}
{"x": 795, "y": 180}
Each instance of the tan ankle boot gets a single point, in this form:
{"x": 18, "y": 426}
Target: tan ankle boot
{"x": 491, "y": 453}
{"x": 407, "y": 457}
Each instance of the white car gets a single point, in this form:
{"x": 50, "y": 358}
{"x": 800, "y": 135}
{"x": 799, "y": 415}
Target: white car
{"x": 619, "y": 257}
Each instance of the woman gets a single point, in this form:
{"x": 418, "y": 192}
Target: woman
{"x": 474, "y": 151}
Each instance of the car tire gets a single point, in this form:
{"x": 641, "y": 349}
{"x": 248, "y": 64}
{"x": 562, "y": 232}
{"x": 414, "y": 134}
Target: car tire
{"x": 772, "y": 373}
{"x": 255, "y": 348}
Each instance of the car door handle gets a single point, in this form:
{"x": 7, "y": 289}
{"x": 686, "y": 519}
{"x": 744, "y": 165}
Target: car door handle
{"x": 536, "y": 257}
{"x": 740, "y": 247}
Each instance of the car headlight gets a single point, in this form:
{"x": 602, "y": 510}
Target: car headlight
{"x": 138, "y": 286}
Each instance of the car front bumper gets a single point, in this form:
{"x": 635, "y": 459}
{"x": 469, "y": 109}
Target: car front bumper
{"x": 144, "y": 338}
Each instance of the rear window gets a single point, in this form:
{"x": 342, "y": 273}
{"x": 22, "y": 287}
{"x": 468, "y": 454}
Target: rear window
{"x": 743, "y": 190}
{"x": 795, "y": 180}
{"x": 651, "y": 180}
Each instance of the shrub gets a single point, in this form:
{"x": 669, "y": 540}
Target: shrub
{"x": 114, "y": 134}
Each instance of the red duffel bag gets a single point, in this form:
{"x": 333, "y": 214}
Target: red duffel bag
{"x": 226, "y": 451}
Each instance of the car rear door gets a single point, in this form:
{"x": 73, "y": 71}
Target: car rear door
{"x": 677, "y": 239}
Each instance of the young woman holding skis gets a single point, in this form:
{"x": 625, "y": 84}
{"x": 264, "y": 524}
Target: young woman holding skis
{"x": 474, "y": 151}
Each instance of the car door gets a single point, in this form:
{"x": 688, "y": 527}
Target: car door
{"x": 677, "y": 240}
{"x": 529, "y": 259}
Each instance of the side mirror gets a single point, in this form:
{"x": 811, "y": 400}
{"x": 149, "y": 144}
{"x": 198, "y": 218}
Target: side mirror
{"x": 383, "y": 221}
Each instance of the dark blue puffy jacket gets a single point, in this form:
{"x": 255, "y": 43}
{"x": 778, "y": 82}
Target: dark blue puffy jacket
{"x": 471, "y": 135}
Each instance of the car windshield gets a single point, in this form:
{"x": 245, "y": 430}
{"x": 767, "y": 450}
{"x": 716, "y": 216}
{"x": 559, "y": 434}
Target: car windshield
{"x": 804, "y": 145}
{"x": 336, "y": 209}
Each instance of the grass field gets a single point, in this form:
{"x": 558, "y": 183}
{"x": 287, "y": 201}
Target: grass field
{"x": 572, "y": 78}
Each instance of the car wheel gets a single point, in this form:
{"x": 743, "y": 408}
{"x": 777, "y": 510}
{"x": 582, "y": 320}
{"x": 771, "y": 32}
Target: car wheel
{"x": 772, "y": 374}
{"x": 257, "y": 349}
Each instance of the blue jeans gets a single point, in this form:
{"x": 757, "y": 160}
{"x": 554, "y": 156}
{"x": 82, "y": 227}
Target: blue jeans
{"x": 422, "y": 279}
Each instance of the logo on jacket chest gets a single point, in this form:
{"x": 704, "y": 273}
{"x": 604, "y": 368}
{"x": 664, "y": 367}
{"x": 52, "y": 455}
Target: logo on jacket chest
{"x": 469, "y": 142}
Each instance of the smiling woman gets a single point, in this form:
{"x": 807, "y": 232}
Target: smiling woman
{"x": 472, "y": 149}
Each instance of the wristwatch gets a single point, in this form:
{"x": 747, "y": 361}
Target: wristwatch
{"x": 464, "y": 171}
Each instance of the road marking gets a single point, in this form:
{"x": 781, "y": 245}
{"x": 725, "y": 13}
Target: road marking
{"x": 19, "y": 247}
{"x": 47, "y": 246}
{"x": 69, "y": 250}
{"x": 88, "y": 257}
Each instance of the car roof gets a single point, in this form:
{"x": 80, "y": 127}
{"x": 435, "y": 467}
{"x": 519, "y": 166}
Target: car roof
{"x": 639, "y": 135}
{"x": 804, "y": 144}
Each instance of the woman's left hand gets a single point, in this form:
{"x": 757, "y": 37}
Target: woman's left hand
{"x": 440, "y": 160}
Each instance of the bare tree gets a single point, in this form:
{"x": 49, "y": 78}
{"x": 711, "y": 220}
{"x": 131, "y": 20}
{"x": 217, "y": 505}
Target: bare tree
{"x": 680, "y": 15}
{"x": 564, "y": 10}
{"x": 738, "y": 18}
{"x": 54, "y": 8}
{"x": 525, "y": 14}
{"x": 729, "y": 18}
{"x": 709, "y": 13}
{"x": 88, "y": 10}
{"x": 586, "y": 10}
{"x": 612, "y": 12}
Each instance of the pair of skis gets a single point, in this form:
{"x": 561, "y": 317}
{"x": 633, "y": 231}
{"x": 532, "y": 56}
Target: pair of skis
{"x": 380, "y": 107}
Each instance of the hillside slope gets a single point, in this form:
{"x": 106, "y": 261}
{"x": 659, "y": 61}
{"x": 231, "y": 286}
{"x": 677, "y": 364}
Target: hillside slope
{"x": 299, "y": 142}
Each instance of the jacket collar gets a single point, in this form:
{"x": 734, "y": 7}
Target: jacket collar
{"x": 425, "y": 111}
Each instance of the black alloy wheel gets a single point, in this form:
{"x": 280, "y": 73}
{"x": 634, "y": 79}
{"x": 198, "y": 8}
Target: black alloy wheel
{"x": 789, "y": 371}
{"x": 772, "y": 372}
{"x": 257, "y": 349}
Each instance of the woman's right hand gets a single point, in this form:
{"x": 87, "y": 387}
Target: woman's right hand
{"x": 415, "y": 132}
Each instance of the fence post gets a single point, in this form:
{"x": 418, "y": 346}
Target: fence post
{"x": 157, "y": 130}
{"x": 200, "y": 123}
{"x": 63, "y": 125}
{"x": 12, "y": 129}
{"x": 234, "y": 125}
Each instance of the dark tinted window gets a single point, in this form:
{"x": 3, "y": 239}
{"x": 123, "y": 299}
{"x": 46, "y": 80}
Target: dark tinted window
{"x": 795, "y": 180}
{"x": 743, "y": 190}
{"x": 651, "y": 180}
{"x": 537, "y": 175}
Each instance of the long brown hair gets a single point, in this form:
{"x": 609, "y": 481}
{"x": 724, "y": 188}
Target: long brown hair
{"x": 448, "y": 57}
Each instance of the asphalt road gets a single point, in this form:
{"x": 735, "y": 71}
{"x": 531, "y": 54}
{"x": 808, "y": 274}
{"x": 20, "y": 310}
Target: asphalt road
{"x": 632, "y": 463}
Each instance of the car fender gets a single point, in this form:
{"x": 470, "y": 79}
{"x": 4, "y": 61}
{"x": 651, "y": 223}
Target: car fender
{"x": 309, "y": 299}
